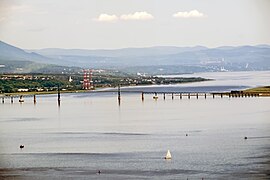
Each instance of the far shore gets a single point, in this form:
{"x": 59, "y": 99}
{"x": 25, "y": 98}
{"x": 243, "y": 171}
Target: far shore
{"x": 264, "y": 90}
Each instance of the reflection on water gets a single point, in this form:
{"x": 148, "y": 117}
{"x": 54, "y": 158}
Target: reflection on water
{"x": 90, "y": 132}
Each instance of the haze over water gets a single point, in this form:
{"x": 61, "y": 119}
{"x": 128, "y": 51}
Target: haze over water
{"x": 91, "y": 132}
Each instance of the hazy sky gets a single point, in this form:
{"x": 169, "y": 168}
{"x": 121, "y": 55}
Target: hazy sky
{"x": 96, "y": 24}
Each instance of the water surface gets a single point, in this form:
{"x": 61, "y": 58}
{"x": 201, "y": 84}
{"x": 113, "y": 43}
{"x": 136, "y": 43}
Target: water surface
{"x": 91, "y": 132}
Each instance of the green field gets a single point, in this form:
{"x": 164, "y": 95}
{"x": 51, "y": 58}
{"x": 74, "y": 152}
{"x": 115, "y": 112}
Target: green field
{"x": 263, "y": 91}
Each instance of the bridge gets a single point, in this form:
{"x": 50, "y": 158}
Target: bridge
{"x": 156, "y": 95}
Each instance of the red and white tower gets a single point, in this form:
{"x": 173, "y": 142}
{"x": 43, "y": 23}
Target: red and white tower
{"x": 87, "y": 79}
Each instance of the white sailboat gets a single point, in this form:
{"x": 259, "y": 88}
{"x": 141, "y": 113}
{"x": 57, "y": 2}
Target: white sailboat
{"x": 168, "y": 155}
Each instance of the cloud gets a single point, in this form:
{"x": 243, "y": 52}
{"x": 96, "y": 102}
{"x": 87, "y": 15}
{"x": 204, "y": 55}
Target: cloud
{"x": 190, "y": 14}
{"x": 106, "y": 18}
{"x": 137, "y": 16}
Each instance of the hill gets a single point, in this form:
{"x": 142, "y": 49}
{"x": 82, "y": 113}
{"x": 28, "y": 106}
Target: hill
{"x": 151, "y": 60}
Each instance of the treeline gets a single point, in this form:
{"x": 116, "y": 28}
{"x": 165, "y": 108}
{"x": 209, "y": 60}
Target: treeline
{"x": 13, "y": 85}
{"x": 43, "y": 82}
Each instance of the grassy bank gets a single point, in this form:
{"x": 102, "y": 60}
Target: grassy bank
{"x": 263, "y": 91}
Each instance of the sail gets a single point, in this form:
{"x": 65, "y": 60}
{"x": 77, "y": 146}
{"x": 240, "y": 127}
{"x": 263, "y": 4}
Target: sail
{"x": 168, "y": 155}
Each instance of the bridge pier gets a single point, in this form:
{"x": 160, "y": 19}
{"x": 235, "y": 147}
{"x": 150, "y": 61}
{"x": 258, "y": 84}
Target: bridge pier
{"x": 213, "y": 96}
{"x": 221, "y": 95}
{"x": 180, "y": 95}
{"x": 59, "y": 98}
{"x": 197, "y": 95}
{"x": 119, "y": 93}
{"x": 188, "y": 95}
{"x": 205, "y": 96}
{"x": 35, "y": 100}
{"x": 172, "y": 95}
{"x": 164, "y": 96}
{"x": 11, "y": 99}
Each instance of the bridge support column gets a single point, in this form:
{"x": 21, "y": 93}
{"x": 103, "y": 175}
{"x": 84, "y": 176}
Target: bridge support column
{"x": 180, "y": 95}
{"x": 11, "y": 99}
{"x": 142, "y": 96}
{"x": 172, "y": 95}
{"x": 164, "y": 96}
{"x": 213, "y": 96}
{"x": 3, "y": 100}
{"x": 221, "y": 95}
{"x": 35, "y": 99}
{"x": 58, "y": 97}
{"x": 188, "y": 95}
{"x": 197, "y": 95}
{"x": 205, "y": 96}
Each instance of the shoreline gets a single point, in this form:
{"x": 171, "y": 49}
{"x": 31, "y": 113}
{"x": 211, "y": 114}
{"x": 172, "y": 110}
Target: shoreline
{"x": 94, "y": 90}
{"x": 264, "y": 90}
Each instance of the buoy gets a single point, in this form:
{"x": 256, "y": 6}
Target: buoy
{"x": 245, "y": 137}
{"x": 99, "y": 171}
{"x": 21, "y": 146}
{"x": 186, "y": 134}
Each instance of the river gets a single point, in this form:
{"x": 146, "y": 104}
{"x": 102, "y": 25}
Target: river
{"x": 90, "y": 132}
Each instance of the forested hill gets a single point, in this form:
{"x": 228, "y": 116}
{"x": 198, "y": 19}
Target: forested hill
{"x": 160, "y": 59}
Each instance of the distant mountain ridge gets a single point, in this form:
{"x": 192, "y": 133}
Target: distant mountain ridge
{"x": 149, "y": 60}
{"x": 125, "y": 52}
{"x": 9, "y": 52}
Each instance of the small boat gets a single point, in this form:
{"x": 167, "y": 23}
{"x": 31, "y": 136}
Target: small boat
{"x": 168, "y": 155}
{"x": 155, "y": 97}
{"x": 21, "y": 100}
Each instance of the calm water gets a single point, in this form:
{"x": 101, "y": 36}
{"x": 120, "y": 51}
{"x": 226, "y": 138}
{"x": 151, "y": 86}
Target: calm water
{"x": 91, "y": 132}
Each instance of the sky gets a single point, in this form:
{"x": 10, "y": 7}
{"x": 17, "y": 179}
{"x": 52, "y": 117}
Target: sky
{"x": 113, "y": 24}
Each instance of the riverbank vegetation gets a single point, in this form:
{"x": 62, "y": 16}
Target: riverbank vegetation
{"x": 263, "y": 89}
{"x": 37, "y": 83}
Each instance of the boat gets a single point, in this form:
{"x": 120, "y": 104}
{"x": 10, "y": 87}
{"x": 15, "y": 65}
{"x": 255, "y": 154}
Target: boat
{"x": 21, "y": 100}
{"x": 168, "y": 155}
{"x": 155, "y": 97}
